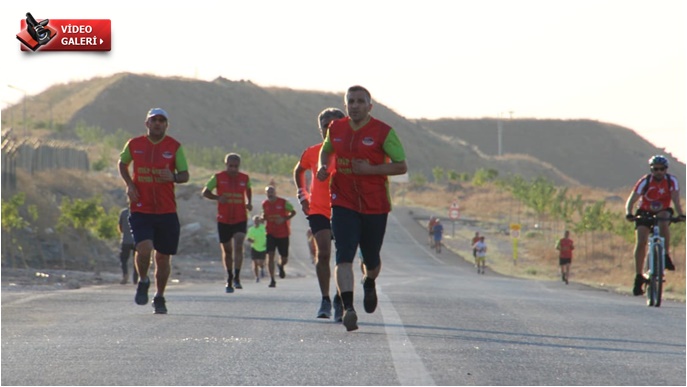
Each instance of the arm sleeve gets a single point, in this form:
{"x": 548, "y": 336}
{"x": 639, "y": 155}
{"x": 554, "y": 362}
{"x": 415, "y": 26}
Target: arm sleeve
{"x": 181, "y": 164}
{"x": 327, "y": 145}
{"x": 125, "y": 155}
{"x": 393, "y": 147}
{"x": 212, "y": 183}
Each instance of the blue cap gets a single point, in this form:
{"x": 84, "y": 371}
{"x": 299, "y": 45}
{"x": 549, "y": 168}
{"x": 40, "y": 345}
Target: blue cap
{"x": 157, "y": 112}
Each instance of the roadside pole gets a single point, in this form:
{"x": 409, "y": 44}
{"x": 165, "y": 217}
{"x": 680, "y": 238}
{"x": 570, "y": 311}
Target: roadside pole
{"x": 453, "y": 214}
{"x": 515, "y": 234}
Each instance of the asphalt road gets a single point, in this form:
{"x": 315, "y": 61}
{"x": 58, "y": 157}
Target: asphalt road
{"x": 438, "y": 323}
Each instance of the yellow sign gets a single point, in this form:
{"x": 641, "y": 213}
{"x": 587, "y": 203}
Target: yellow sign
{"x": 515, "y": 226}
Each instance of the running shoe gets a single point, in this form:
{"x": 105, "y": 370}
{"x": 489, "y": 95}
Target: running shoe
{"x": 669, "y": 263}
{"x": 228, "y": 288}
{"x": 325, "y": 309}
{"x": 273, "y": 284}
{"x": 350, "y": 319}
{"x": 237, "y": 284}
{"x": 257, "y": 279}
{"x": 338, "y": 309}
{"x": 124, "y": 280}
{"x": 141, "y": 297}
{"x": 639, "y": 284}
{"x": 282, "y": 273}
{"x": 370, "y": 295}
{"x": 159, "y": 305}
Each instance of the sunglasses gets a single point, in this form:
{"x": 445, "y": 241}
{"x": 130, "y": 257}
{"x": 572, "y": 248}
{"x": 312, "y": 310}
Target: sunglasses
{"x": 658, "y": 169}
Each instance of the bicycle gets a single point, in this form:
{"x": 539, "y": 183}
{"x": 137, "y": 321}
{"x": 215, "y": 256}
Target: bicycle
{"x": 655, "y": 262}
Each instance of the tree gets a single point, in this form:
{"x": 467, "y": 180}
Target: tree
{"x": 90, "y": 222}
{"x": 438, "y": 173}
{"x": 13, "y": 221}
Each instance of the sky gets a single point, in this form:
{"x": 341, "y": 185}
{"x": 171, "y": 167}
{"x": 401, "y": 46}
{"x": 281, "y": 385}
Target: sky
{"x": 617, "y": 61}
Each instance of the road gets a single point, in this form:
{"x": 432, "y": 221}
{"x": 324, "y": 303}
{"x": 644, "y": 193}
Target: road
{"x": 437, "y": 323}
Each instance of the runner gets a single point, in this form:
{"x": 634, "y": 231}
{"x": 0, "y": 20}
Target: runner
{"x": 277, "y": 212}
{"x": 234, "y": 196}
{"x": 316, "y": 205}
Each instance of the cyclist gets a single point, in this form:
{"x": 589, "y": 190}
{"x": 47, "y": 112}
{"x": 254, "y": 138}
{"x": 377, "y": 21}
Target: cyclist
{"x": 654, "y": 191}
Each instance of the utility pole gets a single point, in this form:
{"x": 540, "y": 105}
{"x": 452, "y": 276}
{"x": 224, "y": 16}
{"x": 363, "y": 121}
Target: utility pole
{"x": 500, "y": 129}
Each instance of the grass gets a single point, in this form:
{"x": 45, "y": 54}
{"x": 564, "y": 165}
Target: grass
{"x": 601, "y": 260}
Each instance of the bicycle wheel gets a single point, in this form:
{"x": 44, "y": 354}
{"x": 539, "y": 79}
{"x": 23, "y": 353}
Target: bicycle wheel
{"x": 658, "y": 274}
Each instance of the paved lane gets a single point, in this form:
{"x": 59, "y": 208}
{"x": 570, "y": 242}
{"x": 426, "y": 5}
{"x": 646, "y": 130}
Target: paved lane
{"x": 438, "y": 322}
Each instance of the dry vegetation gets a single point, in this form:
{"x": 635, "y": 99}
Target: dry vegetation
{"x": 601, "y": 259}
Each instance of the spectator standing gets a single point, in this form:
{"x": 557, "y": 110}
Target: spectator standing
{"x": 126, "y": 247}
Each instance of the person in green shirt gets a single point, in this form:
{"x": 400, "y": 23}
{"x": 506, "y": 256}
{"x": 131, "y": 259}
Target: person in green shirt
{"x": 257, "y": 236}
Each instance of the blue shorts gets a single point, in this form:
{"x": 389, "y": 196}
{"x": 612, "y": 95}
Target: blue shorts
{"x": 162, "y": 229}
{"x": 352, "y": 229}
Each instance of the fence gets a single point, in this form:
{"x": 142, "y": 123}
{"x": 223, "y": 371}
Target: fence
{"x": 34, "y": 155}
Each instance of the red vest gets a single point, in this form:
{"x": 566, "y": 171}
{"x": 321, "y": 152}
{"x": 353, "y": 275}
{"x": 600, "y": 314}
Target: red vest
{"x": 272, "y": 211}
{"x": 566, "y": 248}
{"x": 234, "y": 187}
{"x": 155, "y": 197}
{"x": 367, "y": 194}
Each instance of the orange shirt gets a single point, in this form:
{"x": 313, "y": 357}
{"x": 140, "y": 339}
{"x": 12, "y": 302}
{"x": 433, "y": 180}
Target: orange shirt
{"x": 320, "y": 201}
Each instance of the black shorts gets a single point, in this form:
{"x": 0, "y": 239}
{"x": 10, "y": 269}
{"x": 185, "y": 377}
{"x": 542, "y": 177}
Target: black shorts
{"x": 564, "y": 261}
{"x": 279, "y": 244}
{"x": 227, "y": 231}
{"x": 254, "y": 254}
{"x": 318, "y": 223}
{"x": 352, "y": 229}
{"x": 648, "y": 222}
{"x": 162, "y": 229}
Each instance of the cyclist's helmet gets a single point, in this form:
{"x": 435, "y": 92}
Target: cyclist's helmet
{"x": 658, "y": 159}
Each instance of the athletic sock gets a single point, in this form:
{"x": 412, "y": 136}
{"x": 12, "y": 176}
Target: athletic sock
{"x": 347, "y": 299}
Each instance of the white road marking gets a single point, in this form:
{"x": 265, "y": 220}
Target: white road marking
{"x": 410, "y": 369}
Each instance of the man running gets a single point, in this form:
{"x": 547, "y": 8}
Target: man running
{"x": 159, "y": 163}
{"x": 234, "y": 201}
{"x": 316, "y": 205}
{"x": 360, "y": 193}
{"x": 277, "y": 212}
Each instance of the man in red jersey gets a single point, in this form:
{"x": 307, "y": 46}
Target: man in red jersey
{"x": 565, "y": 247}
{"x": 159, "y": 163}
{"x": 277, "y": 212}
{"x": 316, "y": 205}
{"x": 359, "y": 189}
{"x": 234, "y": 197}
{"x": 654, "y": 191}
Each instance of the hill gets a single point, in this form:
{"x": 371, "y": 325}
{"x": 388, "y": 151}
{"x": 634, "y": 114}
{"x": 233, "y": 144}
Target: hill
{"x": 594, "y": 153}
{"x": 229, "y": 113}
